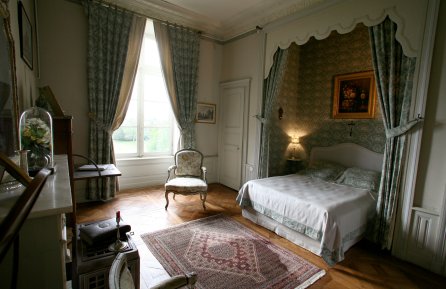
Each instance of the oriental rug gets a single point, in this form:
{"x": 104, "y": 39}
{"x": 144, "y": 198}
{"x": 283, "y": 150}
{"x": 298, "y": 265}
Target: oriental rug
{"x": 226, "y": 254}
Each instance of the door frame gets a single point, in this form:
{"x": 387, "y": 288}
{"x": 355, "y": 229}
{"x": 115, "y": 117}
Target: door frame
{"x": 244, "y": 83}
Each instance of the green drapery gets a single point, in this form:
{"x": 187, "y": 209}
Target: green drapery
{"x": 179, "y": 50}
{"x": 108, "y": 34}
{"x": 271, "y": 88}
{"x": 394, "y": 74}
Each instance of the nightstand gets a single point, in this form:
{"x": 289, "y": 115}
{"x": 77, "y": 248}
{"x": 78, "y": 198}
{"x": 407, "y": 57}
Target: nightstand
{"x": 294, "y": 165}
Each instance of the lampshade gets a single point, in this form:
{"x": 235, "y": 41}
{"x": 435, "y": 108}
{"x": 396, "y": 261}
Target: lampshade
{"x": 295, "y": 140}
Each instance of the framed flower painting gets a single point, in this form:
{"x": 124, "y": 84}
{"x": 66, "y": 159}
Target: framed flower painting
{"x": 354, "y": 95}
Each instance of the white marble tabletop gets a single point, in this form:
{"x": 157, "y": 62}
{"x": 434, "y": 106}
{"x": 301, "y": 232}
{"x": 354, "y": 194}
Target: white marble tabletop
{"x": 55, "y": 197}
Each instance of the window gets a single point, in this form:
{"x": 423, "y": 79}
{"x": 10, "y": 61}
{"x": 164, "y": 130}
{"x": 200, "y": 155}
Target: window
{"x": 149, "y": 127}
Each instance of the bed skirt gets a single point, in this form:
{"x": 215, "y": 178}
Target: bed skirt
{"x": 285, "y": 232}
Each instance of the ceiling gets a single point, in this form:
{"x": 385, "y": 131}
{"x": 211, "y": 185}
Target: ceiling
{"x": 218, "y": 19}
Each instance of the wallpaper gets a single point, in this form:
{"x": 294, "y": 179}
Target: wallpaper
{"x": 306, "y": 98}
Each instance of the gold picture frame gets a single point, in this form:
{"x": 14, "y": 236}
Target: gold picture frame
{"x": 206, "y": 113}
{"x": 354, "y": 95}
{"x": 26, "y": 36}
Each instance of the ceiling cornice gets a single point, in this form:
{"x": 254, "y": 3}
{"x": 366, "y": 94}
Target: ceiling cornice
{"x": 239, "y": 24}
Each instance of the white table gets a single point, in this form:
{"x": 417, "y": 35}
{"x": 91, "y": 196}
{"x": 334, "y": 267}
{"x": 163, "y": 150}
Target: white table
{"x": 43, "y": 236}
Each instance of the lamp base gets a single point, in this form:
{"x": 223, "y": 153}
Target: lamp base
{"x": 118, "y": 246}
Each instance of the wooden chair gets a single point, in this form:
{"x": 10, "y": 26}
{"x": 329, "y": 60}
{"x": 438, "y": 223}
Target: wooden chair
{"x": 120, "y": 277}
{"x": 187, "y": 176}
{"x": 13, "y": 222}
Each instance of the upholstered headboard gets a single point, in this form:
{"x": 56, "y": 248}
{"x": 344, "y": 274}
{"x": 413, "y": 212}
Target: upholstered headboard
{"x": 350, "y": 155}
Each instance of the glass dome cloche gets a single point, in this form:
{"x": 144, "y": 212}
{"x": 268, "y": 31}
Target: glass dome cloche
{"x": 36, "y": 137}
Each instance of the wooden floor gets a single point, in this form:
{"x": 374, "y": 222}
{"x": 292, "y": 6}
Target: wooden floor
{"x": 363, "y": 267}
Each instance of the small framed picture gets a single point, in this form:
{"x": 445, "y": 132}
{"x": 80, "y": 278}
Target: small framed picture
{"x": 354, "y": 95}
{"x": 26, "y": 37}
{"x": 206, "y": 113}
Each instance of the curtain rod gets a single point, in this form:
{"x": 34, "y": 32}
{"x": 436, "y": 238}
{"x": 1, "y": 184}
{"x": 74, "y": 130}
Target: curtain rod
{"x": 108, "y": 4}
{"x": 202, "y": 35}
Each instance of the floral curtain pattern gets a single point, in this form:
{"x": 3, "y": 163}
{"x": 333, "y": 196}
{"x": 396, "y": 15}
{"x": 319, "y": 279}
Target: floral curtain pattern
{"x": 179, "y": 50}
{"x": 108, "y": 35}
{"x": 271, "y": 88}
{"x": 394, "y": 74}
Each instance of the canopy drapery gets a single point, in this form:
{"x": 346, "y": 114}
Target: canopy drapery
{"x": 394, "y": 75}
{"x": 271, "y": 88}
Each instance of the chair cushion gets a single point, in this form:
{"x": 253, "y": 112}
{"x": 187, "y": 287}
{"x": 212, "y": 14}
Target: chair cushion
{"x": 186, "y": 185}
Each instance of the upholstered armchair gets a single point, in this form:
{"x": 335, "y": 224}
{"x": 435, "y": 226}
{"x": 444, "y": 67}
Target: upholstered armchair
{"x": 187, "y": 176}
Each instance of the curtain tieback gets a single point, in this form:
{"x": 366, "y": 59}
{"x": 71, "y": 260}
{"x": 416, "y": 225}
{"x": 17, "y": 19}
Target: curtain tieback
{"x": 261, "y": 119}
{"x": 99, "y": 124}
{"x": 402, "y": 129}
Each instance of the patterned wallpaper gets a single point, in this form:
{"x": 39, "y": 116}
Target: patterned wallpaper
{"x": 307, "y": 98}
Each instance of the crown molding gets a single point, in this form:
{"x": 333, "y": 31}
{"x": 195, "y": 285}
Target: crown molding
{"x": 243, "y": 22}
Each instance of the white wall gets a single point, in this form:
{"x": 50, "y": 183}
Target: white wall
{"x": 427, "y": 244}
{"x": 63, "y": 59}
{"x": 431, "y": 181}
{"x": 208, "y": 92}
{"x": 243, "y": 59}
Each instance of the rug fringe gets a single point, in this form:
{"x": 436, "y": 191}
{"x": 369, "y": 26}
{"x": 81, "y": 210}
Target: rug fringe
{"x": 311, "y": 280}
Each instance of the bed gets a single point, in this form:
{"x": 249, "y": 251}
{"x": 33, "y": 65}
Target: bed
{"x": 326, "y": 207}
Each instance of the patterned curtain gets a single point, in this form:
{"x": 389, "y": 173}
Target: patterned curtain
{"x": 108, "y": 35}
{"x": 271, "y": 87}
{"x": 394, "y": 74}
{"x": 179, "y": 50}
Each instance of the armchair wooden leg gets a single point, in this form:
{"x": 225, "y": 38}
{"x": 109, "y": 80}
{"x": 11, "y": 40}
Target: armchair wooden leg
{"x": 166, "y": 195}
{"x": 203, "y": 199}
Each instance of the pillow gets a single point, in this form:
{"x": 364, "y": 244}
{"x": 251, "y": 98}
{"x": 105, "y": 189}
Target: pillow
{"x": 328, "y": 171}
{"x": 360, "y": 178}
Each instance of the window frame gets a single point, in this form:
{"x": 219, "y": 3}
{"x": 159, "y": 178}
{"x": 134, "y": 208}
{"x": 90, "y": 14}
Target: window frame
{"x": 140, "y": 101}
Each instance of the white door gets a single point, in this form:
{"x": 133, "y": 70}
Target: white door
{"x": 233, "y": 98}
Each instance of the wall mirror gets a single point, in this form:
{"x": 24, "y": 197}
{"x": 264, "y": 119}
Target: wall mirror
{"x": 8, "y": 85}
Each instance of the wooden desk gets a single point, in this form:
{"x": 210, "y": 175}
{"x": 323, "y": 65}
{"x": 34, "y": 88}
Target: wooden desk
{"x": 110, "y": 171}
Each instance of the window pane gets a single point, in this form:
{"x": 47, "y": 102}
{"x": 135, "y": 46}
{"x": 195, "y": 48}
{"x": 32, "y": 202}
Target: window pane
{"x": 131, "y": 117}
{"x": 154, "y": 87}
{"x": 157, "y": 140}
{"x": 124, "y": 140}
{"x": 157, "y": 114}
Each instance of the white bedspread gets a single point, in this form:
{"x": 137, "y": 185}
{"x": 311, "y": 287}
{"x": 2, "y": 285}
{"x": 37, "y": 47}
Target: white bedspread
{"x": 334, "y": 214}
